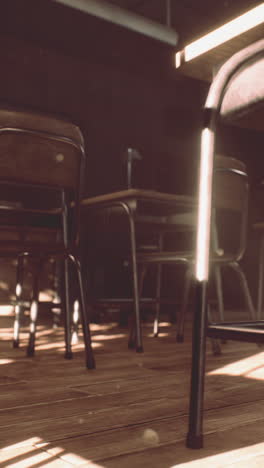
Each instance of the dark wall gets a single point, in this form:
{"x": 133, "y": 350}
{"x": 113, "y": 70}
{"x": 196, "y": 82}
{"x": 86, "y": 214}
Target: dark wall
{"x": 121, "y": 88}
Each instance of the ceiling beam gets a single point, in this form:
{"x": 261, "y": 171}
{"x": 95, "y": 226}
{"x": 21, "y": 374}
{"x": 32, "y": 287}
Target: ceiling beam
{"x": 124, "y": 18}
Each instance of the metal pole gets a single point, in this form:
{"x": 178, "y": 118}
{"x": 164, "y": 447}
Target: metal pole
{"x": 168, "y": 13}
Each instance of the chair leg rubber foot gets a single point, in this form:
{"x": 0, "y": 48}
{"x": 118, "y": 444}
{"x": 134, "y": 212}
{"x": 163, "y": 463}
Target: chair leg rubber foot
{"x": 156, "y": 335}
{"x": 180, "y": 338}
{"x": 139, "y": 349}
{"x": 90, "y": 363}
{"x": 131, "y": 344}
{"x": 194, "y": 442}
{"x": 15, "y": 344}
{"x": 30, "y": 352}
{"x": 68, "y": 355}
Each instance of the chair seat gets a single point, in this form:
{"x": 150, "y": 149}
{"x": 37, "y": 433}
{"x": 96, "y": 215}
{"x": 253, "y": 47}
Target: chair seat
{"x": 179, "y": 256}
{"x": 164, "y": 257}
{"x": 11, "y": 248}
{"x": 252, "y": 332}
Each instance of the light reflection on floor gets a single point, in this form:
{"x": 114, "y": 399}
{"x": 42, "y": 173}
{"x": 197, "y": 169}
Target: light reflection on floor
{"x": 251, "y": 367}
{"x": 35, "y": 452}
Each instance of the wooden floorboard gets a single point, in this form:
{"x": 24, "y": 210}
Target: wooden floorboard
{"x": 132, "y": 411}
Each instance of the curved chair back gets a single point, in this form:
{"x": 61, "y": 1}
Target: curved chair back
{"x": 43, "y": 152}
{"x": 230, "y": 203}
{"x": 221, "y": 98}
{"x": 237, "y": 88}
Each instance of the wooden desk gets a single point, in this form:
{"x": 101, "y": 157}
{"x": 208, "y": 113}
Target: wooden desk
{"x": 146, "y": 205}
{"x": 154, "y": 209}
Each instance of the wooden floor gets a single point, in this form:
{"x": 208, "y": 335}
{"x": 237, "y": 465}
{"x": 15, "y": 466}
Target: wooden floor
{"x": 132, "y": 410}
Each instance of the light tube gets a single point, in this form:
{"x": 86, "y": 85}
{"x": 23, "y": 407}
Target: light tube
{"x": 233, "y": 28}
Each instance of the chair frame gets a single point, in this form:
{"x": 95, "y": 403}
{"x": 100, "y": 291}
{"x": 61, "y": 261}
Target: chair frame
{"x": 69, "y": 251}
{"x": 246, "y": 331}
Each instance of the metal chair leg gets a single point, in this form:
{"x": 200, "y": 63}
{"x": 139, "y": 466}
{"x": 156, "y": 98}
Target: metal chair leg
{"x": 67, "y": 308}
{"x": 260, "y": 279}
{"x": 244, "y": 284}
{"x": 132, "y": 336}
{"x": 139, "y": 346}
{"x": 219, "y": 291}
{"x": 157, "y": 307}
{"x": 18, "y": 306}
{"x": 57, "y": 302}
{"x": 90, "y": 361}
{"x": 158, "y": 290}
{"x": 216, "y": 348}
{"x": 34, "y": 310}
{"x": 195, "y": 431}
{"x": 182, "y": 314}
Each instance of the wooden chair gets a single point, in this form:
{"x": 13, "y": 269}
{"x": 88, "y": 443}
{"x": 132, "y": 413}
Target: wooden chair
{"x": 230, "y": 178}
{"x": 236, "y": 91}
{"x": 43, "y": 155}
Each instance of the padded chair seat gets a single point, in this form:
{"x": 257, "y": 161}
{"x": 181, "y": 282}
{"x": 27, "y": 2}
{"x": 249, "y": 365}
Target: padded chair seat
{"x": 39, "y": 122}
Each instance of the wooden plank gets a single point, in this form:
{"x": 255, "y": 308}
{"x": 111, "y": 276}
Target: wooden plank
{"x": 131, "y": 408}
{"x": 223, "y": 448}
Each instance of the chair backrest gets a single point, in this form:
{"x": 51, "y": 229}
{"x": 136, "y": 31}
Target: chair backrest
{"x": 230, "y": 205}
{"x": 39, "y": 149}
{"x": 42, "y": 151}
{"x": 225, "y": 79}
{"x": 239, "y": 96}
{"x": 231, "y": 183}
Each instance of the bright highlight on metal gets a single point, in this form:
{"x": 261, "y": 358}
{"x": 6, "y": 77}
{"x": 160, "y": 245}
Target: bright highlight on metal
{"x": 127, "y": 19}
{"x": 204, "y": 210}
{"x": 237, "y": 26}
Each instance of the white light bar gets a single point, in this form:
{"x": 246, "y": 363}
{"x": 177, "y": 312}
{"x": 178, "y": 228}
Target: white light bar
{"x": 237, "y": 26}
{"x": 127, "y": 19}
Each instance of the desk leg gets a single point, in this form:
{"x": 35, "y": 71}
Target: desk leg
{"x": 139, "y": 346}
{"x": 18, "y": 306}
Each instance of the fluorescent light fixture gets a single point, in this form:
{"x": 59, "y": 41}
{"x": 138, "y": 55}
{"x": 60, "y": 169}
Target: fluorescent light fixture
{"x": 237, "y": 26}
{"x": 127, "y": 19}
{"x": 204, "y": 210}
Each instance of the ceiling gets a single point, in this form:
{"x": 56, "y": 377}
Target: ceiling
{"x": 190, "y": 18}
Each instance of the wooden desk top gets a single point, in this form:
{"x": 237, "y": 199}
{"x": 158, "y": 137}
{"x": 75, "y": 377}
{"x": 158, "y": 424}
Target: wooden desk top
{"x": 140, "y": 194}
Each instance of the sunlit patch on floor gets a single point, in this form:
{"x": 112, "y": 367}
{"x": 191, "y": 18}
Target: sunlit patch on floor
{"x": 227, "y": 458}
{"x": 161, "y": 334}
{"x": 109, "y": 337}
{"x": 37, "y": 452}
{"x": 6, "y": 361}
{"x": 251, "y": 367}
{"x": 6, "y": 310}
